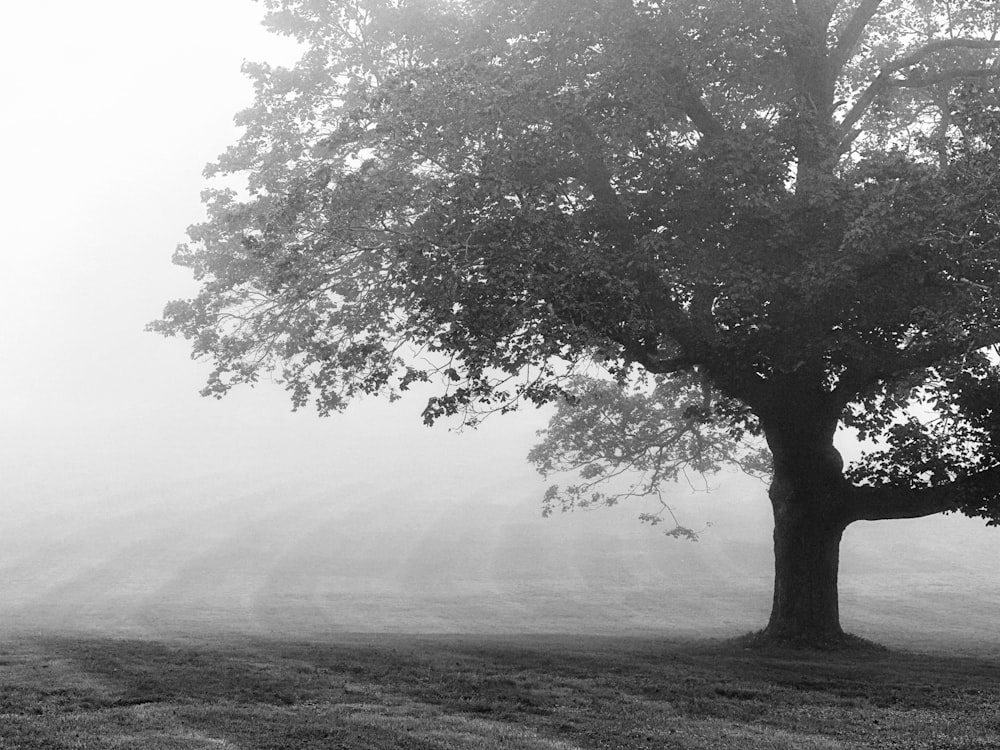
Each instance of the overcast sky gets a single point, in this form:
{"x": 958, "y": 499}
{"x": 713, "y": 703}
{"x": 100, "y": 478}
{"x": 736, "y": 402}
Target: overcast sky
{"x": 111, "y": 110}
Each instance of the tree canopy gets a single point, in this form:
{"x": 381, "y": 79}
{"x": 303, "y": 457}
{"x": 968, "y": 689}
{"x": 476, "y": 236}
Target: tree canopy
{"x": 784, "y": 212}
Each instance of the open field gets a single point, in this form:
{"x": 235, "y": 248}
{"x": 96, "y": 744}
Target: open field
{"x": 301, "y": 560}
{"x": 446, "y": 692}
{"x": 199, "y": 613}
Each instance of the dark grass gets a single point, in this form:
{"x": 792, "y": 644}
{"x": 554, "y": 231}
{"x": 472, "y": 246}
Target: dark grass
{"x": 477, "y": 692}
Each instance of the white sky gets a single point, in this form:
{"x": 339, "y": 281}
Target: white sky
{"x": 111, "y": 109}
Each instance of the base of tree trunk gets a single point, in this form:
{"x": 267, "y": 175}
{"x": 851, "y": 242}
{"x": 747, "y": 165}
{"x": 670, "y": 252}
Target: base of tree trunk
{"x": 827, "y": 641}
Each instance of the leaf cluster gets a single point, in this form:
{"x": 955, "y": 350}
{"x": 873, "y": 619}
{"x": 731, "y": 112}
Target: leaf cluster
{"x": 629, "y": 442}
{"x": 792, "y": 205}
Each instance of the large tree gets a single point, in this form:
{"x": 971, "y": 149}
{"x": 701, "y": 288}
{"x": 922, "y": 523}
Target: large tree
{"x": 782, "y": 212}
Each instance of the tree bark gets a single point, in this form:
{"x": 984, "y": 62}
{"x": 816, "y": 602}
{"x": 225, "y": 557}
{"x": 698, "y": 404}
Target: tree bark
{"x": 811, "y": 502}
{"x": 805, "y": 609}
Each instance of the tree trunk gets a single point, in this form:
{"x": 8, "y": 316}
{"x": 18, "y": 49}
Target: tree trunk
{"x": 814, "y": 503}
{"x": 809, "y": 497}
{"x": 805, "y": 608}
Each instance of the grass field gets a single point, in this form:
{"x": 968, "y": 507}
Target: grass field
{"x": 427, "y": 692}
{"x": 198, "y": 616}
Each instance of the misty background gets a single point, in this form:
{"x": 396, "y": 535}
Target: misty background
{"x": 129, "y": 504}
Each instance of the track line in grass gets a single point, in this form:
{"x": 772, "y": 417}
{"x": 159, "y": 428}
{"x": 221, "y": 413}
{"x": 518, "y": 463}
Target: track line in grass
{"x": 449, "y": 730}
{"x": 149, "y": 726}
{"x": 460, "y": 693}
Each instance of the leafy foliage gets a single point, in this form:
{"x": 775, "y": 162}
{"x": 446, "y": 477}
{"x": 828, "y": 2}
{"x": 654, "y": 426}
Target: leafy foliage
{"x": 792, "y": 205}
{"x": 638, "y": 440}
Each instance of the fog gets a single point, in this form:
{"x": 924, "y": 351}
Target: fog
{"x": 131, "y": 505}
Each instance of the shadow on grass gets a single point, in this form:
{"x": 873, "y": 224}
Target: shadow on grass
{"x": 479, "y": 692}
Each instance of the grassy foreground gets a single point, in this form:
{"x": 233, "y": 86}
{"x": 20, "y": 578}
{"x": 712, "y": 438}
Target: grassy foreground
{"x": 472, "y": 692}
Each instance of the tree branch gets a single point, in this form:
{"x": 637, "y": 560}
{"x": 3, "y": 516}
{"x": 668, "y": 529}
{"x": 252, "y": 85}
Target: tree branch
{"x": 939, "y": 45}
{"x": 887, "y": 503}
{"x": 867, "y": 375}
{"x": 885, "y": 80}
{"x": 951, "y": 75}
{"x": 852, "y": 32}
{"x": 676, "y": 77}
{"x": 667, "y": 314}
{"x": 660, "y": 366}
{"x": 596, "y": 175}
{"x": 818, "y": 12}
{"x": 699, "y": 115}
{"x": 845, "y": 131}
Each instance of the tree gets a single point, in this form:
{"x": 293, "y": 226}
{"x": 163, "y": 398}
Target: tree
{"x": 782, "y": 213}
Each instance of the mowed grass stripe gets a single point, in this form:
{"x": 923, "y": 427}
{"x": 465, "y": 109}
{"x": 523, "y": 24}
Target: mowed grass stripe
{"x": 538, "y": 693}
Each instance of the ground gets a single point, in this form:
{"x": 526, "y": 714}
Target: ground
{"x": 533, "y": 692}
